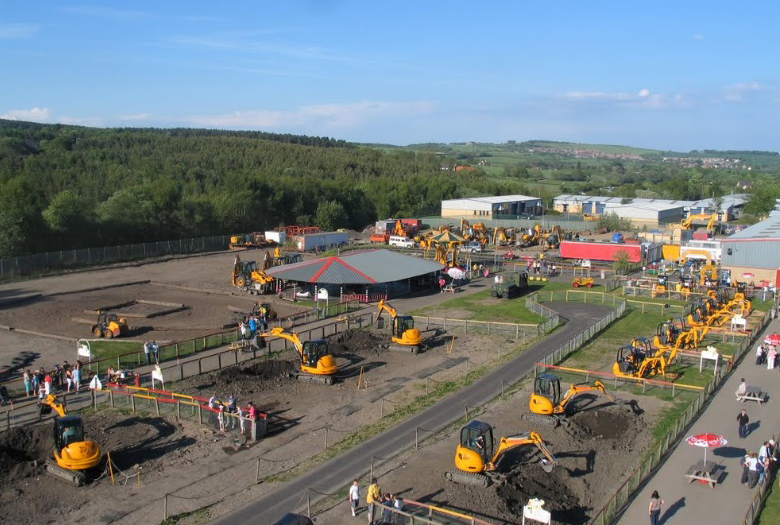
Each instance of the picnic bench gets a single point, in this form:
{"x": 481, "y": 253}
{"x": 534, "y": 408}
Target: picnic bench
{"x": 449, "y": 288}
{"x": 753, "y": 393}
{"x": 704, "y": 472}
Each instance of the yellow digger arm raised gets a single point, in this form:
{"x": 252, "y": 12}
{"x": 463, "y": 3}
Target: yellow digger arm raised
{"x": 51, "y": 400}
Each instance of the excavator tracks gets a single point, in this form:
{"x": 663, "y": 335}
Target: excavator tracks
{"x": 72, "y": 477}
{"x": 467, "y": 478}
{"x": 404, "y": 348}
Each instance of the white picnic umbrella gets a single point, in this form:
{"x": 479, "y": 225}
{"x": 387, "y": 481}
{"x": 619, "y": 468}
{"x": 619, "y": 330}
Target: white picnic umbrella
{"x": 456, "y": 273}
{"x": 706, "y": 441}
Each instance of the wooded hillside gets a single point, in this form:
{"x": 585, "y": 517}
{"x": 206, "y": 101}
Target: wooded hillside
{"x": 65, "y": 187}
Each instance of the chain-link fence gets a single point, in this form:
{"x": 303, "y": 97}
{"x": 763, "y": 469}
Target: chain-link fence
{"x": 25, "y": 265}
{"x": 518, "y": 331}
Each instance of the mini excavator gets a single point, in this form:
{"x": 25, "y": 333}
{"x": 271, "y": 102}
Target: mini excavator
{"x": 405, "y": 336}
{"x": 73, "y": 453}
{"x": 546, "y": 399}
{"x": 477, "y": 464}
{"x": 317, "y": 363}
{"x": 638, "y": 360}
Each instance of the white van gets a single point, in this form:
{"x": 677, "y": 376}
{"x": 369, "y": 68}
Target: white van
{"x": 401, "y": 242}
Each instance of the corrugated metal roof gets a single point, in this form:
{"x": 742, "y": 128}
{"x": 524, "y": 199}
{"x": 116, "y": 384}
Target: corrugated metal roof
{"x": 727, "y": 200}
{"x": 499, "y": 199}
{"x": 767, "y": 229}
{"x": 365, "y": 267}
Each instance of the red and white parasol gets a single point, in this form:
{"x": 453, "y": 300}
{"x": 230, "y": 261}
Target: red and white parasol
{"x": 706, "y": 441}
{"x": 772, "y": 339}
{"x": 456, "y": 273}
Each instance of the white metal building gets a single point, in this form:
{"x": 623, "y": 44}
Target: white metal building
{"x": 498, "y": 207}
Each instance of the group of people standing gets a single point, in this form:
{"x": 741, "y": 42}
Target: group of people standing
{"x": 231, "y": 406}
{"x": 252, "y": 323}
{"x": 766, "y": 354}
{"x": 374, "y": 496}
{"x": 755, "y": 465}
{"x": 151, "y": 349}
{"x": 42, "y": 382}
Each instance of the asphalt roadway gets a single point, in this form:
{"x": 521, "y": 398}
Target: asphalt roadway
{"x": 337, "y": 473}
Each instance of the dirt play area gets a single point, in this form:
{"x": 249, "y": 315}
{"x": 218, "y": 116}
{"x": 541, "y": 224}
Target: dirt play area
{"x": 188, "y": 459}
{"x": 596, "y": 448}
{"x": 156, "y": 445}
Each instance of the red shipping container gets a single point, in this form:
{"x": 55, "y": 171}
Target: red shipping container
{"x": 417, "y": 223}
{"x": 700, "y": 235}
{"x": 599, "y": 251}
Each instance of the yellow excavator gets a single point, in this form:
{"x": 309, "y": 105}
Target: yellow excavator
{"x": 639, "y": 360}
{"x": 247, "y": 276}
{"x": 73, "y": 453}
{"x": 405, "y": 337}
{"x": 109, "y": 326}
{"x": 477, "y": 464}
{"x": 317, "y": 363}
{"x": 546, "y": 399}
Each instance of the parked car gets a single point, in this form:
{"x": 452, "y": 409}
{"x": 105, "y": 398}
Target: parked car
{"x": 401, "y": 242}
{"x": 472, "y": 247}
{"x": 526, "y": 216}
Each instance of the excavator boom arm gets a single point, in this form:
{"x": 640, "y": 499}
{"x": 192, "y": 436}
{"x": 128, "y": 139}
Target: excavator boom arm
{"x": 532, "y": 438}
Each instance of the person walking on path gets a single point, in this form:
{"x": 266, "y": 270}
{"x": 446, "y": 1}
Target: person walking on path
{"x": 743, "y": 420}
{"x": 770, "y": 357}
{"x": 374, "y": 493}
{"x": 147, "y": 351}
{"x": 156, "y": 351}
{"x": 655, "y": 507}
{"x": 354, "y": 497}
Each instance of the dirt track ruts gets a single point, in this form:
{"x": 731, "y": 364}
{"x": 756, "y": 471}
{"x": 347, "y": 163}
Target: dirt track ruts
{"x": 335, "y": 474}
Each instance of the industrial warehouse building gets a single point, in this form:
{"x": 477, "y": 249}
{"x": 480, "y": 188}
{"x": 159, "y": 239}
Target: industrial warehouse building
{"x": 643, "y": 212}
{"x": 499, "y": 207}
{"x": 730, "y": 207}
{"x": 753, "y": 254}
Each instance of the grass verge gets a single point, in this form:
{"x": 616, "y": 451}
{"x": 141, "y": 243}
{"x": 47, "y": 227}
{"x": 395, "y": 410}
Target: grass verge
{"x": 482, "y": 307}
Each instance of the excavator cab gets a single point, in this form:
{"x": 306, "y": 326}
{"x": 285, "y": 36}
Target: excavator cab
{"x": 313, "y": 352}
{"x": 401, "y": 324}
{"x": 628, "y": 360}
{"x": 666, "y": 334}
{"x": 475, "y": 449}
{"x": 68, "y": 430}
{"x": 546, "y": 395}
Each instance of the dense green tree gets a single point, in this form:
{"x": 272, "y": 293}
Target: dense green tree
{"x": 330, "y": 215}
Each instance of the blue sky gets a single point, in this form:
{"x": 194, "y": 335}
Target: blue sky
{"x": 664, "y": 74}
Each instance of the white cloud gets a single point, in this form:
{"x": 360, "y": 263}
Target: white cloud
{"x": 80, "y": 121}
{"x": 595, "y": 95}
{"x": 738, "y": 92}
{"x": 33, "y": 114}
{"x": 644, "y": 92}
{"x": 698, "y": 36}
{"x": 332, "y": 116}
{"x": 10, "y": 31}
{"x": 135, "y": 117}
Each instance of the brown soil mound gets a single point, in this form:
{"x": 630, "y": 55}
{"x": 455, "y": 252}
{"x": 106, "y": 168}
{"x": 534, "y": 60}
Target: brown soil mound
{"x": 608, "y": 424}
{"x": 360, "y": 342}
{"x": 533, "y": 482}
{"x": 19, "y": 447}
{"x": 244, "y": 381}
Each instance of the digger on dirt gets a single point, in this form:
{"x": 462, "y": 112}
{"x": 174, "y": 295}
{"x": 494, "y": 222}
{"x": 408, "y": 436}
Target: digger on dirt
{"x": 547, "y": 400}
{"x": 73, "y": 453}
{"x": 317, "y": 363}
{"x": 405, "y": 337}
{"x": 478, "y": 464}
{"x": 109, "y": 326}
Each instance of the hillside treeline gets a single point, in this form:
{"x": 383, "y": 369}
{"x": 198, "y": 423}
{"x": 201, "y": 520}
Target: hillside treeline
{"x": 64, "y": 187}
